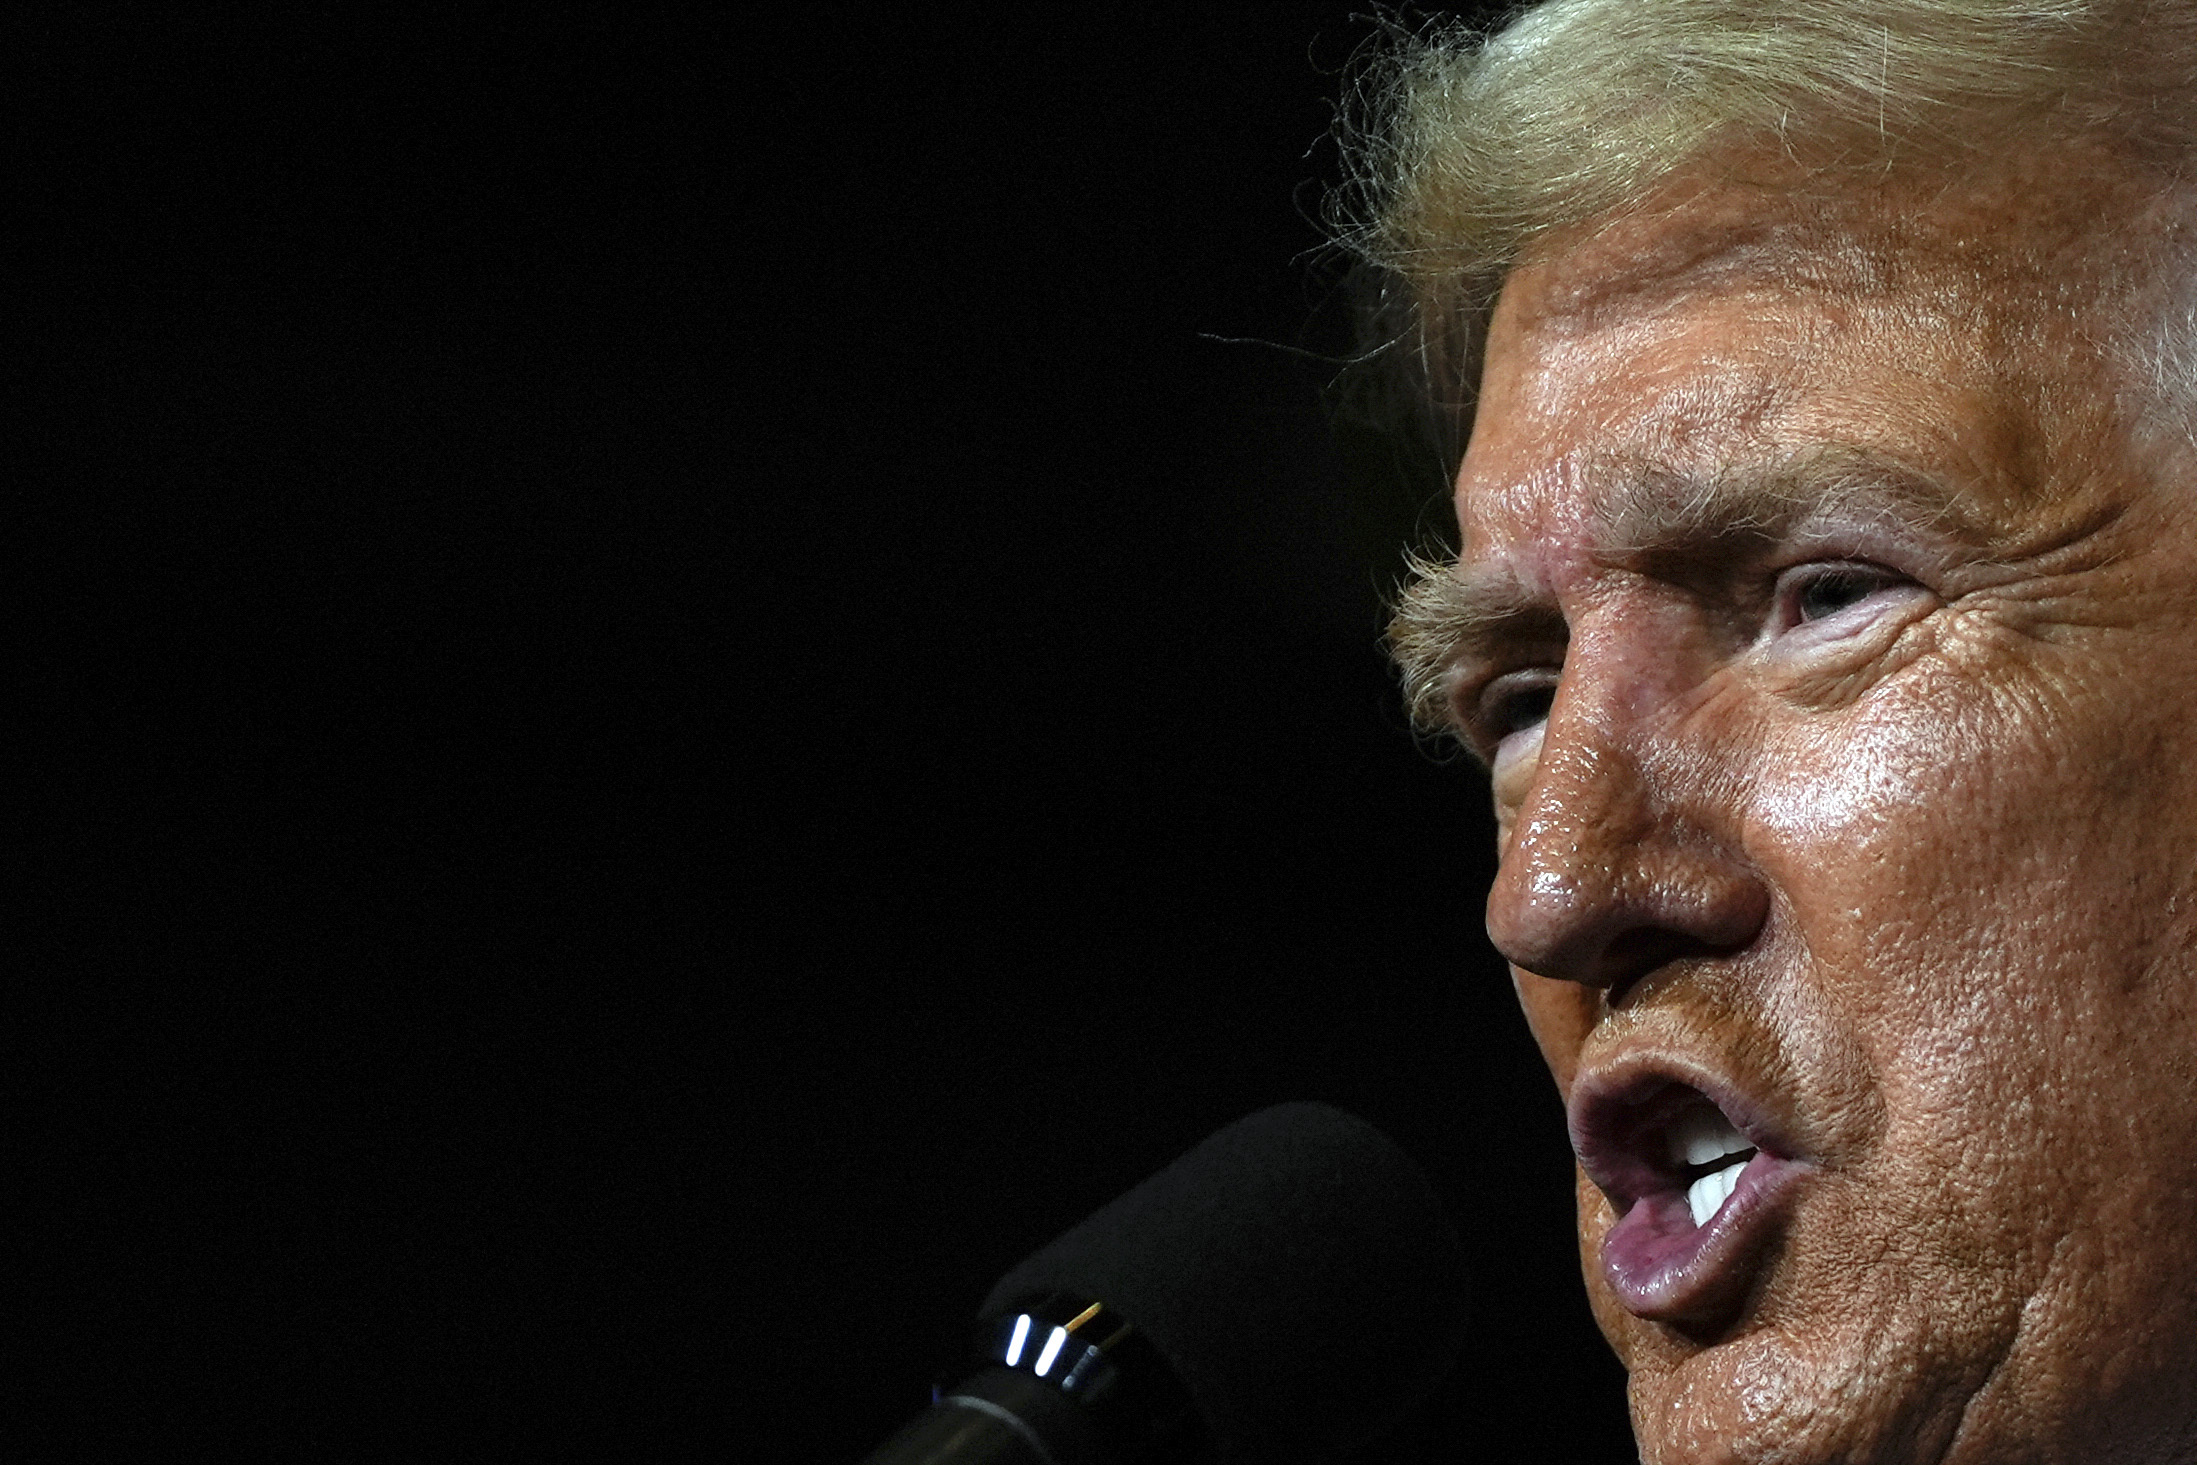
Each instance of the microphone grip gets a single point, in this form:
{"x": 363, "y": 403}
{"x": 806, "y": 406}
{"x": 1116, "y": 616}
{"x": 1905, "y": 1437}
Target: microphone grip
{"x": 998, "y": 1416}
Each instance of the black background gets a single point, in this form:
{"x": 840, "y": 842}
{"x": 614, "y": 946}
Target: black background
{"x": 674, "y": 702}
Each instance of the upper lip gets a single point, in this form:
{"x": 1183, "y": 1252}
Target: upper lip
{"x": 1620, "y": 1112}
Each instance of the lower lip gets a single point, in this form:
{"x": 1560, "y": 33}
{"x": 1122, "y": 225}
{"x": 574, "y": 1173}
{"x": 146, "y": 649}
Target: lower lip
{"x": 1666, "y": 1269}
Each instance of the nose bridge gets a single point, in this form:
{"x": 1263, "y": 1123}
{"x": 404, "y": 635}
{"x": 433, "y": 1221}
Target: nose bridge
{"x": 1611, "y": 863}
{"x": 1588, "y": 802}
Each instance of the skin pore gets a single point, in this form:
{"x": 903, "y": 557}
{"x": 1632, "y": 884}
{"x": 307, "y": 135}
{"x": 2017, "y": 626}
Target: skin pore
{"x": 1832, "y": 641}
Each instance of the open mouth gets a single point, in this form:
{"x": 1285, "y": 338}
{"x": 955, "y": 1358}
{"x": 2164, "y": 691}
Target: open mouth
{"x": 1698, "y": 1187}
{"x": 1705, "y": 1145}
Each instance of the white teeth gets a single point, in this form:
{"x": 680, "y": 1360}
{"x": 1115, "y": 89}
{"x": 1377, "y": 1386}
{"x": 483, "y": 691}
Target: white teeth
{"x": 1702, "y": 1135}
{"x": 1706, "y": 1195}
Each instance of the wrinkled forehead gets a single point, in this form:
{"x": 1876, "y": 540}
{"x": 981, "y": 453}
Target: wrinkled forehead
{"x": 1962, "y": 338}
{"x": 2075, "y": 224}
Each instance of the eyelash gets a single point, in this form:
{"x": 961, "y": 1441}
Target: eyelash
{"x": 1514, "y": 702}
{"x": 1794, "y": 587}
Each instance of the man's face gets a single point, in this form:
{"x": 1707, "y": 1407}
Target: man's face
{"x": 1835, "y": 648}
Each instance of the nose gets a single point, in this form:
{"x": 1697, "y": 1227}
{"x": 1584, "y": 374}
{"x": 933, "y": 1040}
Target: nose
{"x": 1623, "y": 854}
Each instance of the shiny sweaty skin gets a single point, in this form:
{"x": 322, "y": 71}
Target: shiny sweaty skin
{"x": 1869, "y": 809}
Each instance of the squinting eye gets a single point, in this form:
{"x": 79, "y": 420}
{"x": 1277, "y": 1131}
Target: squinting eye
{"x": 1826, "y": 591}
{"x": 1513, "y": 703}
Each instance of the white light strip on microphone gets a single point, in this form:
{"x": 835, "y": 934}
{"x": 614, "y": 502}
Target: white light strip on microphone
{"x": 1052, "y": 1350}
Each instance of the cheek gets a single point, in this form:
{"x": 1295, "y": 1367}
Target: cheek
{"x": 1903, "y": 836}
{"x": 1941, "y": 855}
{"x": 1979, "y": 907}
{"x": 1911, "y": 918}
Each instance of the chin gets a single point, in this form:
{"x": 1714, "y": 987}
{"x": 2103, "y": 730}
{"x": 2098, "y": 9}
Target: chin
{"x": 1758, "y": 1398}
{"x": 1818, "y": 1387}
{"x": 1833, "y": 1364}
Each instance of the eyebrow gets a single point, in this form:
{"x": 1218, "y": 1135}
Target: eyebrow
{"x": 1447, "y": 614}
{"x": 1444, "y": 617}
{"x": 1646, "y": 509}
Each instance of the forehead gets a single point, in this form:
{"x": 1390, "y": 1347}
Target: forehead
{"x": 1737, "y": 329}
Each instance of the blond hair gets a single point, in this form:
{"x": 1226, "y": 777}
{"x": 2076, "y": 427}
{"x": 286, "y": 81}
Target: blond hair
{"x": 1464, "y": 148}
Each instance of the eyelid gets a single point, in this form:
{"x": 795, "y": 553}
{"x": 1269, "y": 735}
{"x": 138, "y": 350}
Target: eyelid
{"x": 1486, "y": 715}
{"x": 1785, "y": 617}
{"x": 1807, "y": 571}
{"x": 1840, "y": 564}
{"x": 1816, "y": 571}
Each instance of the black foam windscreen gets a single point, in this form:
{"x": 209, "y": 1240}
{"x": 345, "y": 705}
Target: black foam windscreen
{"x": 1295, "y": 1269}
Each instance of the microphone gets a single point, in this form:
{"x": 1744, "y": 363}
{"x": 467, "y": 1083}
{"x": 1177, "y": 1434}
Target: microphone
{"x": 1281, "y": 1293}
